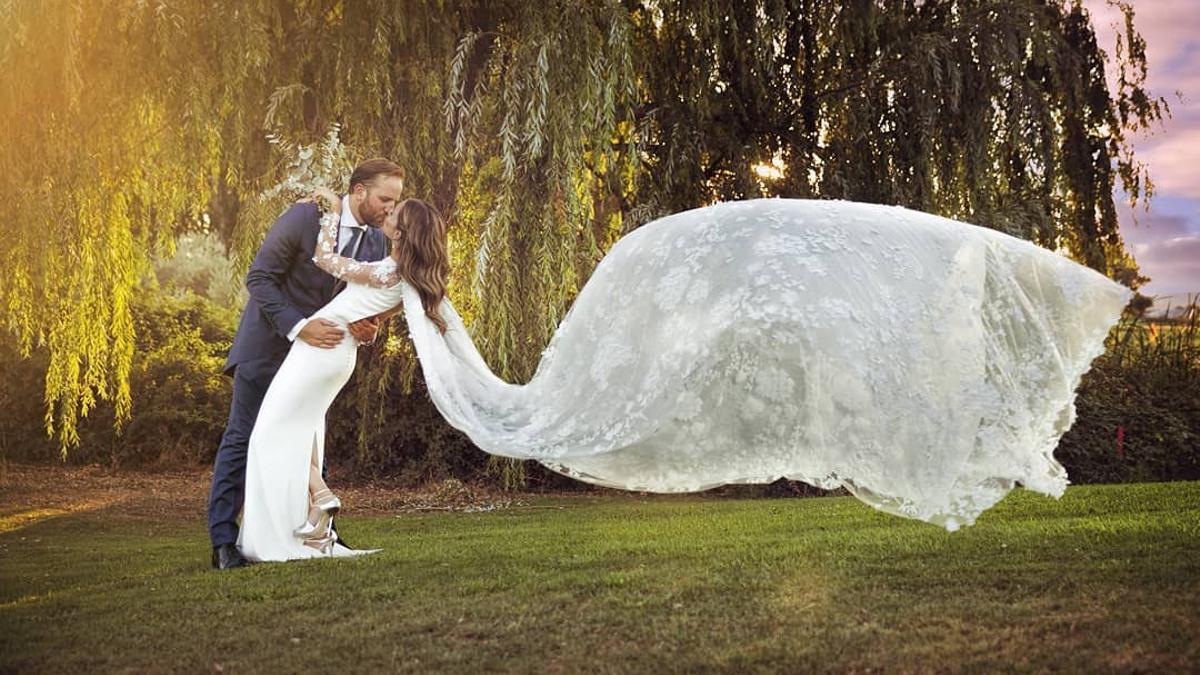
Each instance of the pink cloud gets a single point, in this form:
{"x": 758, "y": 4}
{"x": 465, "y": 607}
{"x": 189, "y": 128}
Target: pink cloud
{"x": 1173, "y": 55}
{"x": 1167, "y": 249}
{"x": 1179, "y": 251}
{"x": 1169, "y": 27}
{"x": 1151, "y": 227}
{"x": 1173, "y": 267}
{"x": 1173, "y": 162}
{"x": 1166, "y": 241}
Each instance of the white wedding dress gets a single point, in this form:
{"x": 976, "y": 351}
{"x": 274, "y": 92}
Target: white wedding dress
{"x": 290, "y": 421}
{"x": 926, "y": 365}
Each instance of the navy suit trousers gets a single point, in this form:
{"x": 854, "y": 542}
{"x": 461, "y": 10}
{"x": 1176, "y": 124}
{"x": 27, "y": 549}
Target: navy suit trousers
{"x": 250, "y": 382}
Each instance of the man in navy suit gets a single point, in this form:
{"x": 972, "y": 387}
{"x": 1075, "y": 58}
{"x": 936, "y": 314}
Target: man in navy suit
{"x": 285, "y": 288}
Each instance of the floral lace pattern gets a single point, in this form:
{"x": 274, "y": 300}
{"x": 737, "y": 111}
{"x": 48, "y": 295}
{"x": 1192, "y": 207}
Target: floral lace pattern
{"x": 379, "y": 274}
{"x": 926, "y": 365}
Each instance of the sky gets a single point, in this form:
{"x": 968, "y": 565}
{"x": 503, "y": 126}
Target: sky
{"x": 1165, "y": 240}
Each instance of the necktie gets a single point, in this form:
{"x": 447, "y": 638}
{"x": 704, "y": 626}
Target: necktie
{"x": 349, "y": 249}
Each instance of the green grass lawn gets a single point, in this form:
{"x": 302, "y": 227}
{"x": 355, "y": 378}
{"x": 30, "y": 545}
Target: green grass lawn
{"x": 1107, "y": 579}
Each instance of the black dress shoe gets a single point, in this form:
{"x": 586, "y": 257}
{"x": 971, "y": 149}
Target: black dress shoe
{"x": 227, "y": 557}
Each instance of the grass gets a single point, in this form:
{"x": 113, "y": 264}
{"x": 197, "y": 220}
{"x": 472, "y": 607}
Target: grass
{"x": 1107, "y": 579}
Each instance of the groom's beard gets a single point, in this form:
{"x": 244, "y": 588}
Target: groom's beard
{"x": 372, "y": 218}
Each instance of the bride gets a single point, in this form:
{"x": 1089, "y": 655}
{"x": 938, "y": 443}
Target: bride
{"x": 288, "y": 509}
{"x": 926, "y": 365}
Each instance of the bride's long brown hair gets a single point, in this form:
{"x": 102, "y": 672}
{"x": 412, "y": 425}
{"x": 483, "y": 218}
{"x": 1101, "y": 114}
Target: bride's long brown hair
{"x": 421, "y": 256}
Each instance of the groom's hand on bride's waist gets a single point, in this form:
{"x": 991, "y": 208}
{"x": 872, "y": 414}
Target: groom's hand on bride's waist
{"x": 365, "y": 330}
{"x": 321, "y": 333}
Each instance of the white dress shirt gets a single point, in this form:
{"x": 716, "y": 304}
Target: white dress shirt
{"x": 346, "y": 227}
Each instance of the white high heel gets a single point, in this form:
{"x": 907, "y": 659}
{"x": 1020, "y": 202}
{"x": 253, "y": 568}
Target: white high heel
{"x": 324, "y": 543}
{"x": 327, "y": 501}
{"x": 314, "y": 530}
{"x": 329, "y": 505}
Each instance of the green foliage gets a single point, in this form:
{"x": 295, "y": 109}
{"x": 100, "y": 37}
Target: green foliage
{"x": 199, "y": 267}
{"x": 180, "y": 398}
{"x": 1139, "y": 407}
{"x": 543, "y": 131}
{"x": 994, "y": 112}
{"x": 112, "y": 144}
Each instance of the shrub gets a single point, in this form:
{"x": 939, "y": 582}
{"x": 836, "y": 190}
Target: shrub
{"x": 1139, "y": 406}
{"x": 180, "y": 397}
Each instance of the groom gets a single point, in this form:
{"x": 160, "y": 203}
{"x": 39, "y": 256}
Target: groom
{"x": 285, "y": 288}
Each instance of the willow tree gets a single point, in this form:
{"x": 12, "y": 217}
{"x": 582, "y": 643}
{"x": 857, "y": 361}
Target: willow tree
{"x": 101, "y": 161}
{"x": 992, "y": 111}
{"x": 127, "y": 123}
{"x": 543, "y": 131}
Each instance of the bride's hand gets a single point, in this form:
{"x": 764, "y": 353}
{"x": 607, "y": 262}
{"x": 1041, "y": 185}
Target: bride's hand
{"x": 325, "y": 197}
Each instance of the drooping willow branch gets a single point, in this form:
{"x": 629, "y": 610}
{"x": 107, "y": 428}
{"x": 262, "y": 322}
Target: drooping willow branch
{"x": 543, "y": 130}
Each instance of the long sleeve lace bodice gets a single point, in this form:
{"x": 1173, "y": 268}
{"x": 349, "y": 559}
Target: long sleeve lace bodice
{"x": 380, "y": 274}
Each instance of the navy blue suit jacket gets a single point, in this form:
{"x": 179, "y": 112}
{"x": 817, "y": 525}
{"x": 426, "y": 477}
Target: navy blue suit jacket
{"x": 286, "y": 286}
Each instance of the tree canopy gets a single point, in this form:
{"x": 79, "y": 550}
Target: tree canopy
{"x": 544, "y": 131}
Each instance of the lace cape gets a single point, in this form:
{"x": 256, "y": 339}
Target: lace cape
{"x": 925, "y": 364}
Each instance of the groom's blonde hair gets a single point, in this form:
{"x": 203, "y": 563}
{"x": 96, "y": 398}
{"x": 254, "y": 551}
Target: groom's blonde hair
{"x": 373, "y": 168}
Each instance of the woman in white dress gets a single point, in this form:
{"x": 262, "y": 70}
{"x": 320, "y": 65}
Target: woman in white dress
{"x": 288, "y": 509}
{"x": 926, "y": 365}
